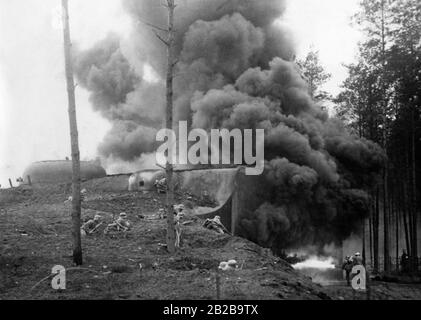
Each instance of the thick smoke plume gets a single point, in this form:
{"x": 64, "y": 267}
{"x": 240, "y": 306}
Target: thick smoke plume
{"x": 236, "y": 70}
{"x": 119, "y": 94}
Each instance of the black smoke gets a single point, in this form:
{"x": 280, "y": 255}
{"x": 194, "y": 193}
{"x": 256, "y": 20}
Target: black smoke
{"x": 235, "y": 70}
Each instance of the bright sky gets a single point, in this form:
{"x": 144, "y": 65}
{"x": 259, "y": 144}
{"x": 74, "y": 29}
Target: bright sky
{"x": 33, "y": 101}
{"x": 325, "y": 26}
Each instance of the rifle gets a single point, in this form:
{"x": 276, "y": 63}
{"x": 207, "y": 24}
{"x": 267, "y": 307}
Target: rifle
{"x": 95, "y": 229}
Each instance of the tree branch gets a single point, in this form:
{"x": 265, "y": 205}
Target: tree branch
{"x": 153, "y": 26}
{"x": 160, "y": 38}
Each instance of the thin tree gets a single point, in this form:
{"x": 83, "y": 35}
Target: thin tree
{"x": 169, "y": 125}
{"x": 169, "y": 41}
{"x": 76, "y": 205}
{"x": 386, "y": 245}
{"x": 315, "y": 74}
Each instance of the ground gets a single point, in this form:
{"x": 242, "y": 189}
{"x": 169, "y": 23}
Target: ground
{"x": 35, "y": 230}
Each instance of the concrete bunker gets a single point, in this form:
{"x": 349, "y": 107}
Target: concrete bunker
{"x": 60, "y": 171}
{"x": 144, "y": 180}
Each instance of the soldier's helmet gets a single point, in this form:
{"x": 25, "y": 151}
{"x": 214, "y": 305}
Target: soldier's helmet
{"x": 179, "y": 208}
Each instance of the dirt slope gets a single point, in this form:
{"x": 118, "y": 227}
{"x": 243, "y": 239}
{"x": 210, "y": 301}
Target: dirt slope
{"x": 35, "y": 236}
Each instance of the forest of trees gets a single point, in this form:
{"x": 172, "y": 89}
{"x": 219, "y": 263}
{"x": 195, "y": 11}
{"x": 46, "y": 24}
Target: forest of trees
{"x": 380, "y": 100}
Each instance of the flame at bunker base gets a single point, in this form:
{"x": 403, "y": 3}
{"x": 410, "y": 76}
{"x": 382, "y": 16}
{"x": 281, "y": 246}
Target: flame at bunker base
{"x": 315, "y": 262}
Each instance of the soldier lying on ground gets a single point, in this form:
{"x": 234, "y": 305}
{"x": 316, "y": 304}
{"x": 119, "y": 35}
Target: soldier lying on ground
{"x": 121, "y": 224}
{"x": 216, "y": 225}
{"x": 91, "y": 226}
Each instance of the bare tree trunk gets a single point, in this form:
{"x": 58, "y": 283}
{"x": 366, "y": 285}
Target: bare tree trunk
{"x": 414, "y": 196}
{"x": 169, "y": 125}
{"x": 364, "y": 243}
{"x": 370, "y": 225}
{"x": 405, "y": 220}
{"x": 386, "y": 247}
{"x": 394, "y": 217}
{"x": 407, "y": 196}
{"x": 397, "y": 237}
{"x": 376, "y": 232}
{"x": 385, "y": 174}
{"x": 76, "y": 205}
